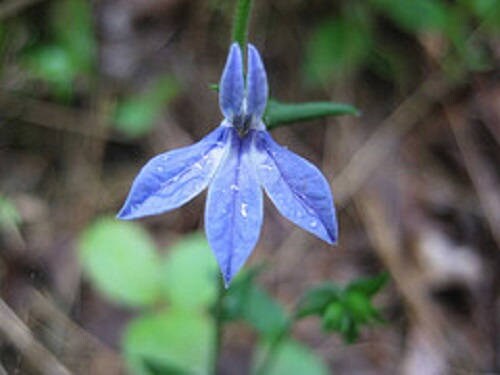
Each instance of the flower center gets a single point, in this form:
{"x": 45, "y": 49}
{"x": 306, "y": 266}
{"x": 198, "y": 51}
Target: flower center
{"x": 242, "y": 123}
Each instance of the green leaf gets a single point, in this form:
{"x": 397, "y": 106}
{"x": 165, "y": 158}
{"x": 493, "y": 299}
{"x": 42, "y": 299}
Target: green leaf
{"x": 9, "y": 215}
{"x": 177, "y": 340}
{"x": 416, "y": 16}
{"x": 315, "y": 300}
{"x": 278, "y": 113}
{"x": 334, "y": 316}
{"x": 344, "y": 309}
{"x": 337, "y": 48}
{"x": 121, "y": 261}
{"x": 369, "y": 285}
{"x": 291, "y": 358}
{"x": 51, "y": 63}
{"x": 136, "y": 115}
{"x": 154, "y": 367}
{"x": 247, "y": 301}
{"x": 264, "y": 313}
{"x": 73, "y": 31}
{"x": 189, "y": 274}
{"x": 234, "y": 299}
{"x": 488, "y": 12}
{"x": 361, "y": 308}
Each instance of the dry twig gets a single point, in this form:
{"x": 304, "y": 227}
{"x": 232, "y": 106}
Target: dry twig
{"x": 16, "y": 332}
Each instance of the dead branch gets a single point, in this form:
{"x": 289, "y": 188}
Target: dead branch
{"x": 17, "y": 333}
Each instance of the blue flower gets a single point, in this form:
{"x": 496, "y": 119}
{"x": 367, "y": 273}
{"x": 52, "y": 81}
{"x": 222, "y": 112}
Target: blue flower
{"x": 236, "y": 161}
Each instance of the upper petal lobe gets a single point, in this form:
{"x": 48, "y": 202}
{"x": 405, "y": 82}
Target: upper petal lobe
{"x": 257, "y": 88}
{"x": 233, "y": 213}
{"x": 232, "y": 84}
{"x": 297, "y": 188}
{"x": 173, "y": 178}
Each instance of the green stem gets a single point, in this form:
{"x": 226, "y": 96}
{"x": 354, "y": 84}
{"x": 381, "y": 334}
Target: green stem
{"x": 241, "y": 21}
{"x": 270, "y": 355}
{"x": 218, "y": 325}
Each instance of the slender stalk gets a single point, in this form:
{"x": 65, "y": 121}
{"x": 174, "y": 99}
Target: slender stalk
{"x": 218, "y": 324}
{"x": 241, "y": 21}
{"x": 270, "y": 355}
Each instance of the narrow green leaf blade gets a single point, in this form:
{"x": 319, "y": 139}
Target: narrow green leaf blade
{"x": 278, "y": 113}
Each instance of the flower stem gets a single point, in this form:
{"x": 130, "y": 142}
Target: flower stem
{"x": 241, "y": 21}
{"x": 270, "y": 355}
{"x": 218, "y": 325}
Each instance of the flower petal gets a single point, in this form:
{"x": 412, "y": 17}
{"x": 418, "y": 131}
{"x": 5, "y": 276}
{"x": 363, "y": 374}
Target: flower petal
{"x": 297, "y": 188}
{"x": 233, "y": 214}
{"x": 173, "y": 178}
{"x": 257, "y": 89}
{"x": 232, "y": 84}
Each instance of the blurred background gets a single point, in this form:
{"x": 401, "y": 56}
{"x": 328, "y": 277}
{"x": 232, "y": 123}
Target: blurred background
{"x": 90, "y": 90}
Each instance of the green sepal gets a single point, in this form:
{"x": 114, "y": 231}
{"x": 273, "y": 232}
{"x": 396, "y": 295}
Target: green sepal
{"x": 278, "y": 113}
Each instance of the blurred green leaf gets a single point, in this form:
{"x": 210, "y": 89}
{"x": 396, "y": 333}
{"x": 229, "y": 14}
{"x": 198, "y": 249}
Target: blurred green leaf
{"x": 392, "y": 63}
{"x": 334, "y": 316}
{"x": 414, "y": 16}
{"x": 232, "y": 306}
{"x": 9, "y": 215}
{"x": 52, "y": 63}
{"x": 136, "y": 115}
{"x": 177, "y": 340}
{"x": 361, "y": 308}
{"x": 264, "y": 313}
{"x": 73, "y": 31}
{"x": 121, "y": 261}
{"x": 488, "y": 11}
{"x": 278, "y": 113}
{"x": 291, "y": 358}
{"x": 155, "y": 367}
{"x": 369, "y": 286}
{"x": 316, "y": 300}
{"x": 71, "y": 51}
{"x": 337, "y": 48}
{"x": 344, "y": 309}
{"x": 189, "y": 274}
{"x": 247, "y": 301}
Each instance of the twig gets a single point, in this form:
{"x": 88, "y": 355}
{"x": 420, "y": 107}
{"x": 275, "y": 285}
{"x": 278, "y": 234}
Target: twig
{"x": 21, "y": 337}
{"x": 48, "y": 115}
{"x": 388, "y": 135}
{"x": 483, "y": 179}
{"x": 2, "y": 370}
{"x": 43, "y": 307}
{"x": 427, "y": 332}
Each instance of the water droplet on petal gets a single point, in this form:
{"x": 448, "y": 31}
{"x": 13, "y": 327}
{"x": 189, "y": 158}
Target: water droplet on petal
{"x": 313, "y": 223}
{"x": 243, "y": 210}
{"x": 234, "y": 187}
{"x": 266, "y": 167}
{"x": 198, "y": 165}
{"x": 160, "y": 169}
